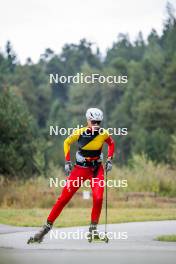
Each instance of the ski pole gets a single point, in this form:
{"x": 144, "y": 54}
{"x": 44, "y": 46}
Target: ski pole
{"x": 106, "y": 202}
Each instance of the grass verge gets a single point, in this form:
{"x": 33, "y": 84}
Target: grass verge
{"x": 167, "y": 238}
{"x": 81, "y": 216}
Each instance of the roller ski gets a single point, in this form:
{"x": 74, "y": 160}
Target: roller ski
{"x": 94, "y": 236}
{"x": 38, "y": 237}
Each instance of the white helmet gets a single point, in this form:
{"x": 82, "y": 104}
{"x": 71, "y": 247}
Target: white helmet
{"x": 94, "y": 114}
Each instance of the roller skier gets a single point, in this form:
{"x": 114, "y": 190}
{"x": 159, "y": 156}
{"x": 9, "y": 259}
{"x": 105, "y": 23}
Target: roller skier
{"x": 88, "y": 165}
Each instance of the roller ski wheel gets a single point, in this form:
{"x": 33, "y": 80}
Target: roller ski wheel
{"x": 97, "y": 239}
{"x": 106, "y": 239}
{"x": 89, "y": 238}
{"x": 94, "y": 236}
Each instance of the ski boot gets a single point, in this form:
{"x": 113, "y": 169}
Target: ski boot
{"x": 38, "y": 237}
{"x": 94, "y": 236}
{"x": 93, "y": 233}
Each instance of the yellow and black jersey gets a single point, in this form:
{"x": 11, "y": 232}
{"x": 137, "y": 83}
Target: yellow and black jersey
{"x": 90, "y": 142}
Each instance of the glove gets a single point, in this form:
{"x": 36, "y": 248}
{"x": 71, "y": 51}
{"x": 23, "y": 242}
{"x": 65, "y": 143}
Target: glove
{"x": 68, "y": 167}
{"x": 79, "y": 157}
{"x": 108, "y": 165}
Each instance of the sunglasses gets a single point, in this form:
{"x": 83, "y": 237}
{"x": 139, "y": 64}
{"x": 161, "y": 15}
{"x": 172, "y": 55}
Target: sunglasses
{"x": 93, "y": 122}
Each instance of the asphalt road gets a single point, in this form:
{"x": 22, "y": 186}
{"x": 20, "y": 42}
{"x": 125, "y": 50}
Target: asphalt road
{"x": 133, "y": 243}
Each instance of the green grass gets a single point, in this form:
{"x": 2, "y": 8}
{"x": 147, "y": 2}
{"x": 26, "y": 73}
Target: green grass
{"x": 81, "y": 216}
{"x": 167, "y": 238}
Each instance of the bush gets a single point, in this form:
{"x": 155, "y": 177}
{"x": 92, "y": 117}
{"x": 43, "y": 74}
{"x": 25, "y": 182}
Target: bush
{"x": 18, "y": 140}
{"x": 143, "y": 175}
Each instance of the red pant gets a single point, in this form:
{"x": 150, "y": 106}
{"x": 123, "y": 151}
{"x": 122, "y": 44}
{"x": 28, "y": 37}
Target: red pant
{"x": 80, "y": 173}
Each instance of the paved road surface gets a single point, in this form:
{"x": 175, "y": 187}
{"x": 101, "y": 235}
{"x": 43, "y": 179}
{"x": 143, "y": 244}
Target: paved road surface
{"x": 139, "y": 247}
